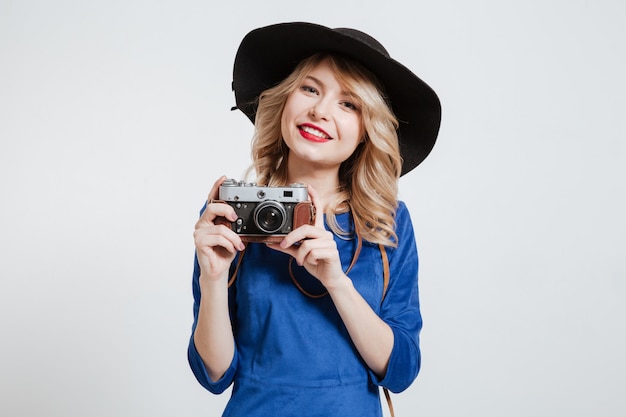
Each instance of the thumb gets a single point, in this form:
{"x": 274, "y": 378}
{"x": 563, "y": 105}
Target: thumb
{"x": 319, "y": 206}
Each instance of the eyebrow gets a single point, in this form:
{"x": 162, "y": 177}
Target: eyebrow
{"x": 314, "y": 79}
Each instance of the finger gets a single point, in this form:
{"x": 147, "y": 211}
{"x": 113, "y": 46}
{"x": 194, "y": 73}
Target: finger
{"x": 213, "y": 241}
{"x": 215, "y": 190}
{"x": 218, "y": 235}
{"x": 319, "y": 247}
{"x": 319, "y": 206}
{"x": 312, "y": 250}
{"x": 214, "y": 210}
{"x": 292, "y": 250}
{"x": 206, "y": 216}
{"x": 302, "y": 233}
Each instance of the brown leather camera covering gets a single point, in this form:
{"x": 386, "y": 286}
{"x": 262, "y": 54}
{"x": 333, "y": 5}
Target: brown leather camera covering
{"x": 303, "y": 213}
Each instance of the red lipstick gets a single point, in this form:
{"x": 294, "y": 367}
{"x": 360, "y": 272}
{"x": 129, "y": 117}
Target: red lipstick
{"x": 313, "y": 133}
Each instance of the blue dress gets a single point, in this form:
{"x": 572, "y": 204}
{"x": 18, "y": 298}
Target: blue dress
{"x": 293, "y": 355}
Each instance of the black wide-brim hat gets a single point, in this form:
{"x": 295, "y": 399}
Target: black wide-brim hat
{"x": 267, "y": 55}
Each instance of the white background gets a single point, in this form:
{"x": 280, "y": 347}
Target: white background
{"x": 115, "y": 120}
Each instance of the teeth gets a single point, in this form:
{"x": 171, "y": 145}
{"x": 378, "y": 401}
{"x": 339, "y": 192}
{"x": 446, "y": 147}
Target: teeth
{"x": 315, "y": 132}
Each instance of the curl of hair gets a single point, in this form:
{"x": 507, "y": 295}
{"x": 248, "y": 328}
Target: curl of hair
{"x": 368, "y": 179}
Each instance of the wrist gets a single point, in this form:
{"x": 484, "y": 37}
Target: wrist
{"x": 208, "y": 282}
{"x": 341, "y": 284}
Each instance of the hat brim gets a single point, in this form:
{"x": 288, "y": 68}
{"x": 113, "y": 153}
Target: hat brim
{"x": 267, "y": 55}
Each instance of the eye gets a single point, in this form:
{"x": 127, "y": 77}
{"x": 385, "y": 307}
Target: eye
{"x": 350, "y": 105}
{"x": 308, "y": 89}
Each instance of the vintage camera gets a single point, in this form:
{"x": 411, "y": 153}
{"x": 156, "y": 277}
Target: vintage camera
{"x": 266, "y": 214}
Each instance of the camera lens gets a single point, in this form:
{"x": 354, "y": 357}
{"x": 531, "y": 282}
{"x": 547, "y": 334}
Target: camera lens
{"x": 269, "y": 216}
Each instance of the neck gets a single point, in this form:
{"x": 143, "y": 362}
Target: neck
{"x": 325, "y": 181}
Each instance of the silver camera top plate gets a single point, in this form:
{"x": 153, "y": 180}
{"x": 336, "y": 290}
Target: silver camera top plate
{"x": 233, "y": 190}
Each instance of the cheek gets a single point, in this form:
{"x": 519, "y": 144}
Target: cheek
{"x": 354, "y": 128}
{"x": 284, "y": 122}
{"x": 287, "y": 115}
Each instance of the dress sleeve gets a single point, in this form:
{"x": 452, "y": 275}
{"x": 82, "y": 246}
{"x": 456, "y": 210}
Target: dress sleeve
{"x": 195, "y": 361}
{"x": 400, "y": 308}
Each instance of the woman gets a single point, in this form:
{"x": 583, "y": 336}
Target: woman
{"x": 313, "y": 325}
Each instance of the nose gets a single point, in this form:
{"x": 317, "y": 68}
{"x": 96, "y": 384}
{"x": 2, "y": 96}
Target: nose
{"x": 321, "y": 109}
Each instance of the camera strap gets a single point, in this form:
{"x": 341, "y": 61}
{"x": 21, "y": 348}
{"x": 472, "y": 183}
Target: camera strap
{"x": 355, "y": 257}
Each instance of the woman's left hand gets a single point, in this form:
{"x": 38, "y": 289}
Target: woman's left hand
{"x": 314, "y": 247}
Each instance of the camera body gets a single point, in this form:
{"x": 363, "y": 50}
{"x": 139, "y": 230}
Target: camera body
{"x": 266, "y": 214}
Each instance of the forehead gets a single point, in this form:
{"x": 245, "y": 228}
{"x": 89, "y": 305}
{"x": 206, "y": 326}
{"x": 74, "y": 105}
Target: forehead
{"x": 328, "y": 71}
{"x": 324, "y": 67}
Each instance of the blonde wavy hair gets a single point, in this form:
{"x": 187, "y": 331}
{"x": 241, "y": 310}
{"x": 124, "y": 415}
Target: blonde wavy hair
{"x": 368, "y": 179}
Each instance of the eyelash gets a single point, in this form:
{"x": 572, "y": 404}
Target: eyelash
{"x": 350, "y": 105}
{"x": 309, "y": 89}
{"x": 347, "y": 104}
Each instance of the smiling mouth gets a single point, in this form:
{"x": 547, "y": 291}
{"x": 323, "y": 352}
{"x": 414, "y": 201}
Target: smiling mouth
{"x": 314, "y": 134}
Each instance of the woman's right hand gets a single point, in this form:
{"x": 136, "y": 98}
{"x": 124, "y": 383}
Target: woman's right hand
{"x": 216, "y": 245}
